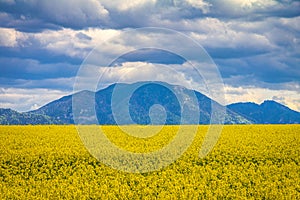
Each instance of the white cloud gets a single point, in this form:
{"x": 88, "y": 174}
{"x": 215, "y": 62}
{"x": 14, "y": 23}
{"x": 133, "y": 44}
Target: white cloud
{"x": 202, "y": 77}
{"x": 232, "y": 39}
{"x": 124, "y": 5}
{"x": 27, "y": 99}
{"x": 233, "y": 8}
{"x": 216, "y": 33}
{"x": 209, "y": 32}
{"x": 200, "y": 4}
{"x": 11, "y": 38}
{"x": 292, "y": 23}
{"x": 62, "y": 42}
{"x": 251, "y": 4}
{"x": 129, "y": 72}
{"x": 290, "y": 98}
{"x": 148, "y": 5}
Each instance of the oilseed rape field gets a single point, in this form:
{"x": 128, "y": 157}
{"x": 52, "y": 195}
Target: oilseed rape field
{"x": 248, "y": 162}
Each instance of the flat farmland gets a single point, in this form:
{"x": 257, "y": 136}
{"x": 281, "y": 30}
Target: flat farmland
{"x": 248, "y": 161}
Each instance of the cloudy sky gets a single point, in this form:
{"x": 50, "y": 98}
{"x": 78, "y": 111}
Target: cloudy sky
{"x": 254, "y": 43}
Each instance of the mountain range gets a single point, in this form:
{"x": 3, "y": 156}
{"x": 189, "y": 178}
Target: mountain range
{"x": 137, "y": 108}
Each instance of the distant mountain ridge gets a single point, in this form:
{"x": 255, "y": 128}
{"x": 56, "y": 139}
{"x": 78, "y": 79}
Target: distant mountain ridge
{"x": 60, "y": 111}
{"x": 268, "y": 112}
{"x": 9, "y": 116}
{"x": 139, "y": 104}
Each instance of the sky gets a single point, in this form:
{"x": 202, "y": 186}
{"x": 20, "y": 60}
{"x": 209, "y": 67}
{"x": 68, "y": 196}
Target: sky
{"x": 255, "y": 45}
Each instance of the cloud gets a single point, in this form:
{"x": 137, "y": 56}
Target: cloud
{"x": 150, "y": 55}
{"x": 259, "y": 94}
{"x": 255, "y": 43}
{"x": 62, "y": 84}
{"x": 11, "y": 37}
{"x": 240, "y": 38}
{"x": 83, "y": 36}
{"x": 54, "y": 45}
{"x": 291, "y": 23}
{"x": 125, "y": 5}
{"x": 79, "y": 14}
{"x": 222, "y": 41}
{"x": 254, "y": 9}
{"x": 27, "y": 99}
{"x": 227, "y": 43}
{"x": 28, "y": 73}
{"x": 130, "y": 72}
{"x": 75, "y": 14}
{"x": 258, "y": 70}
{"x": 15, "y": 68}
{"x": 9, "y": 2}
{"x": 200, "y": 4}
{"x": 201, "y": 77}
{"x": 287, "y": 94}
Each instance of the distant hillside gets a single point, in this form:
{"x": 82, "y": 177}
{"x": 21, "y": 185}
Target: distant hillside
{"x": 269, "y": 112}
{"x": 59, "y": 110}
{"x": 140, "y": 102}
{"x": 11, "y": 117}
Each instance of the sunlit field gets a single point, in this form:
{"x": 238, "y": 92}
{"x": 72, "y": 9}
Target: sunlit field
{"x": 249, "y": 161}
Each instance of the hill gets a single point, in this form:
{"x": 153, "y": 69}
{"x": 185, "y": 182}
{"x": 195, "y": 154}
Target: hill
{"x": 269, "y": 112}
{"x": 11, "y": 117}
{"x": 139, "y": 105}
{"x": 137, "y": 108}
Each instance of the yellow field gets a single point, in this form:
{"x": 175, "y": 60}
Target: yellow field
{"x": 249, "y": 161}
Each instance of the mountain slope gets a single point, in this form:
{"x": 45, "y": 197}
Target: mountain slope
{"x": 140, "y": 103}
{"x": 60, "y": 110}
{"x": 269, "y": 112}
{"x": 148, "y": 103}
{"x": 11, "y": 117}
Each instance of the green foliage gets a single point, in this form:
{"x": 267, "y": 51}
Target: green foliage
{"x": 11, "y": 117}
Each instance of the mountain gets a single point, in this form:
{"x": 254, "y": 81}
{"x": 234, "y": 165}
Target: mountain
{"x": 11, "y": 117}
{"x": 148, "y": 103}
{"x": 269, "y": 112}
{"x": 144, "y": 96}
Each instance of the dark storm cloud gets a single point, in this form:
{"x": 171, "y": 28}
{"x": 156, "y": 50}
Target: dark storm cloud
{"x": 44, "y": 56}
{"x": 266, "y": 68}
{"x": 28, "y": 69}
{"x": 28, "y": 73}
{"x": 253, "y": 10}
{"x": 228, "y": 53}
{"x": 62, "y": 84}
{"x": 272, "y": 69}
{"x": 38, "y": 14}
{"x": 25, "y": 24}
